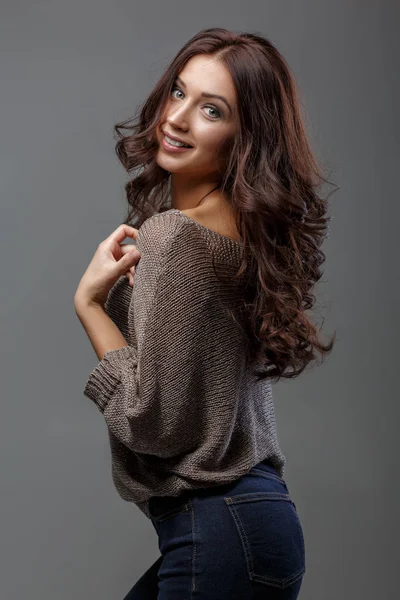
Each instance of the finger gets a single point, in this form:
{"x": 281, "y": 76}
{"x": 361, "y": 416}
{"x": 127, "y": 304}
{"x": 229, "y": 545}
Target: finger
{"x": 122, "y": 232}
{"x": 132, "y": 272}
{"x": 134, "y": 254}
{"x": 128, "y": 260}
{"x": 128, "y": 248}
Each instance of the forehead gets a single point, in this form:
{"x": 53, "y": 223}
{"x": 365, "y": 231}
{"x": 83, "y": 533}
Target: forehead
{"x": 207, "y": 74}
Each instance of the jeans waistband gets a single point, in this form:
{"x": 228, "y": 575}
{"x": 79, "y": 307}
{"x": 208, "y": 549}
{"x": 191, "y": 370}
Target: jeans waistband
{"x": 266, "y": 465}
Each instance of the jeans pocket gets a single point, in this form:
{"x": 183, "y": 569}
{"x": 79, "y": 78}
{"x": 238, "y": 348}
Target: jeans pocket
{"x": 271, "y": 536}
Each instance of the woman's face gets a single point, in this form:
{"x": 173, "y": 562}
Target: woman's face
{"x": 208, "y": 124}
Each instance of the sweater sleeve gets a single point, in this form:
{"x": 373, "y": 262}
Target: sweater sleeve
{"x": 153, "y": 398}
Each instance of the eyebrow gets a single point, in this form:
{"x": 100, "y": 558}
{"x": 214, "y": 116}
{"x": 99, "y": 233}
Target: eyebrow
{"x": 206, "y": 94}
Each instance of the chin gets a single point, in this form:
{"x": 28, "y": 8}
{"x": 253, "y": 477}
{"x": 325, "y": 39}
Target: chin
{"x": 171, "y": 165}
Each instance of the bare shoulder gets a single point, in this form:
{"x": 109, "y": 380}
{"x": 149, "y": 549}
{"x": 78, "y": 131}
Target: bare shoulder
{"x": 217, "y": 215}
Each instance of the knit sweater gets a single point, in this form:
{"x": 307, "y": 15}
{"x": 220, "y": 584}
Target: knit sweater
{"x": 182, "y": 411}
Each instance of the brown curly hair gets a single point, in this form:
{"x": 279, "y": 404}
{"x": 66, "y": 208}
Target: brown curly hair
{"x": 272, "y": 180}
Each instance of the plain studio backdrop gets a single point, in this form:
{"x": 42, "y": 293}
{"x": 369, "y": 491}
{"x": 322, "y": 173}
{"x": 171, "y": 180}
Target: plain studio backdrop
{"x": 69, "y": 72}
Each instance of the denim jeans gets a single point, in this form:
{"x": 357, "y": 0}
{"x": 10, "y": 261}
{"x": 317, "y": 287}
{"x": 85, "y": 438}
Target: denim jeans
{"x": 237, "y": 541}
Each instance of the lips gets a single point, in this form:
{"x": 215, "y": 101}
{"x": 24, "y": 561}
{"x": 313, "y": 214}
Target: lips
{"x": 173, "y": 137}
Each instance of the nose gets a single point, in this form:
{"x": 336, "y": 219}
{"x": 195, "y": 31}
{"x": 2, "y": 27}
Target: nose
{"x": 178, "y": 118}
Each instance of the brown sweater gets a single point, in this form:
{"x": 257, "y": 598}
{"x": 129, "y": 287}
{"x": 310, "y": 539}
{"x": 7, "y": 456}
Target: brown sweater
{"x": 181, "y": 409}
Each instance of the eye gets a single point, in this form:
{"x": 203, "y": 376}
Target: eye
{"x": 176, "y": 88}
{"x": 213, "y": 108}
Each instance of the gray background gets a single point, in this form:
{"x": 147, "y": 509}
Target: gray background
{"x": 69, "y": 71}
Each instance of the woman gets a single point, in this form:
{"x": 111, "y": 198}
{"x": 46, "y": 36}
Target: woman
{"x": 187, "y": 354}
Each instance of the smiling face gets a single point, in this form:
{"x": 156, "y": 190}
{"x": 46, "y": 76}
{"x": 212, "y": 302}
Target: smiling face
{"x": 208, "y": 124}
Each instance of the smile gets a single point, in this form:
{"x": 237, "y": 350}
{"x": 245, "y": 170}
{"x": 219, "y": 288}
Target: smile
{"x": 173, "y": 146}
{"x": 175, "y": 142}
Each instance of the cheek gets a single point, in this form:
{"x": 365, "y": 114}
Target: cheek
{"x": 222, "y": 147}
{"x": 213, "y": 141}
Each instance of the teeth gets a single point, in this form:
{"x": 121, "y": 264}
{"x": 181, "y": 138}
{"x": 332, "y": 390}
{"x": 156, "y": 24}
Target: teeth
{"x": 174, "y": 142}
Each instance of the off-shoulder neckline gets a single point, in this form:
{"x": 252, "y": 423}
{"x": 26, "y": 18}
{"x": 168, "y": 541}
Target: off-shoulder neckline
{"x": 228, "y": 239}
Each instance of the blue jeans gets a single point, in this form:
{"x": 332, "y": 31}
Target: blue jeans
{"x": 237, "y": 541}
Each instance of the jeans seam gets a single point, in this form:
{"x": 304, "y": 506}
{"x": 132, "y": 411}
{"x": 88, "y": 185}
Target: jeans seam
{"x": 268, "y": 475}
{"x": 242, "y": 534}
{"x": 190, "y": 504}
{"x": 254, "y": 496}
{"x": 172, "y": 512}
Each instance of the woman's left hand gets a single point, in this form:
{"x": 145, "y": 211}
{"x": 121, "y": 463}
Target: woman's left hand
{"x": 111, "y": 260}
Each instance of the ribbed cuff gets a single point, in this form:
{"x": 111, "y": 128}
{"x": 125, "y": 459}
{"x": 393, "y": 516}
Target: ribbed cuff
{"x": 107, "y": 374}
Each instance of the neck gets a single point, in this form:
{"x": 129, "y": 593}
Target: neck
{"x": 187, "y": 193}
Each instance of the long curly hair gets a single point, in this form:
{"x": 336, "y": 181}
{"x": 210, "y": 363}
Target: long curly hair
{"x": 272, "y": 180}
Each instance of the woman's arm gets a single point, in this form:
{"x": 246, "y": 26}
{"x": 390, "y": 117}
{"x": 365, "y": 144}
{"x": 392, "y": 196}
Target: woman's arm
{"x": 101, "y": 330}
{"x": 152, "y": 393}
